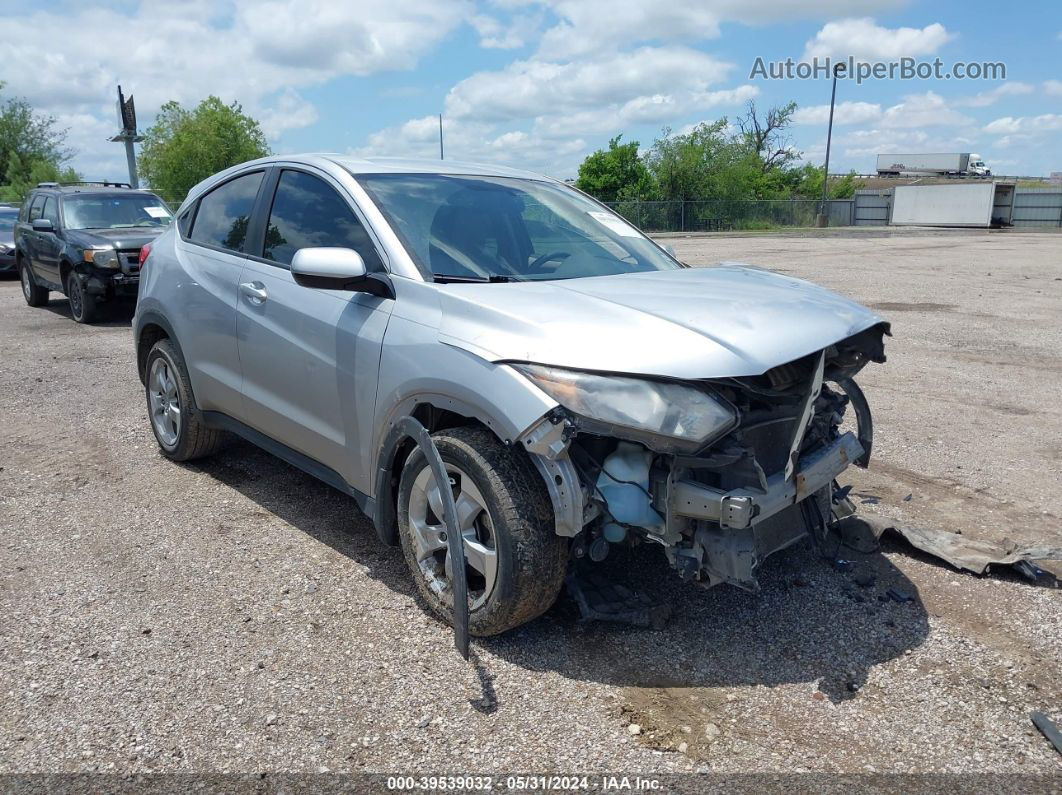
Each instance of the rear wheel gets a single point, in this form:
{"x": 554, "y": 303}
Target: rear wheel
{"x": 176, "y": 424}
{"x": 34, "y": 295}
{"x": 515, "y": 562}
{"x": 83, "y": 308}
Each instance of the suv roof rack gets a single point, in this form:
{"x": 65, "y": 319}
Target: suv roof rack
{"x": 97, "y": 184}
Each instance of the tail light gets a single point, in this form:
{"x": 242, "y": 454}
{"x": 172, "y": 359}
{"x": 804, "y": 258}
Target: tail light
{"x": 144, "y": 251}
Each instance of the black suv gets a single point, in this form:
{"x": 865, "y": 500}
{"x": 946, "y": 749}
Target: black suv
{"x": 84, "y": 240}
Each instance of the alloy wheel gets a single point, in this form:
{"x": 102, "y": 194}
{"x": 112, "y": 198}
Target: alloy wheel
{"x": 27, "y": 285}
{"x": 164, "y": 401}
{"x": 429, "y": 535}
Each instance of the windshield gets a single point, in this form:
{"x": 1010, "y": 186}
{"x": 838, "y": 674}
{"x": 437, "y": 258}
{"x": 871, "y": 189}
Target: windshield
{"x": 115, "y": 211}
{"x": 7, "y": 221}
{"x": 484, "y": 228}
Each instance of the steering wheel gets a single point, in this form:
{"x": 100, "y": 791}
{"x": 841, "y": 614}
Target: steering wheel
{"x": 560, "y": 256}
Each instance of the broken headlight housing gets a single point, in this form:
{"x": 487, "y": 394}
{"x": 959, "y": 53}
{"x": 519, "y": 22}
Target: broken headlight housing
{"x": 665, "y": 415}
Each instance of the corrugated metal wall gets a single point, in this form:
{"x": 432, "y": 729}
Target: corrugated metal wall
{"x": 1037, "y": 207}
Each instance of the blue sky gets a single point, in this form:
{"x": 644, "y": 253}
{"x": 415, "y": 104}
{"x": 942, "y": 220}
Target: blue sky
{"x": 539, "y": 84}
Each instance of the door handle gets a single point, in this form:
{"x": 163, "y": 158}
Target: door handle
{"x": 255, "y": 292}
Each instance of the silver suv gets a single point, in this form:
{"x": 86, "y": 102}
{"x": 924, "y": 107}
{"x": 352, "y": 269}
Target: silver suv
{"x": 583, "y": 387}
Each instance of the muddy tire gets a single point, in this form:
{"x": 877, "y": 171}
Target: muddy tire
{"x": 31, "y": 291}
{"x": 515, "y": 523}
{"x": 176, "y": 423}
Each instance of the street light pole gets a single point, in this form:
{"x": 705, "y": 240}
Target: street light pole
{"x": 824, "y": 217}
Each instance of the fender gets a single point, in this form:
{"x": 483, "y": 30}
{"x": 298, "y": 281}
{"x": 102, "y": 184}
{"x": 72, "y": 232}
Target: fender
{"x": 142, "y": 319}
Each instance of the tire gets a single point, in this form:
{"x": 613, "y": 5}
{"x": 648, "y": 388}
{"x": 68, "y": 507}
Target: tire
{"x": 34, "y": 294}
{"x": 187, "y": 438}
{"x": 531, "y": 559}
{"x": 83, "y": 306}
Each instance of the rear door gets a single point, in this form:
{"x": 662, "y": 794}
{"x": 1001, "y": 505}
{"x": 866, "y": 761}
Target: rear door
{"x": 30, "y": 236}
{"x": 211, "y": 249}
{"x": 311, "y": 357}
{"x": 49, "y": 243}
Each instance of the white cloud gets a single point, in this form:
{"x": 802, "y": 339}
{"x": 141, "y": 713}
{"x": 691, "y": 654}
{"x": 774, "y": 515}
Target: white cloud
{"x": 586, "y": 26}
{"x": 865, "y": 40}
{"x": 259, "y": 52}
{"x": 497, "y": 35}
{"x": 986, "y": 98}
{"x": 923, "y": 110}
{"x": 1053, "y": 88}
{"x": 1009, "y": 125}
{"x": 525, "y": 89}
{"x": 475, "y": 141}
{"x": 844, "y": 113}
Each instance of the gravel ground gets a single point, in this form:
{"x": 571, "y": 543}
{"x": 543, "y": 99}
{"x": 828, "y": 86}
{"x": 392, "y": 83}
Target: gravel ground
{"x": 237, "y": 615}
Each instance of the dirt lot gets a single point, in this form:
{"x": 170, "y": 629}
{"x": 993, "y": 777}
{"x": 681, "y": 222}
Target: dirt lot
{"x": 236, "y": 615}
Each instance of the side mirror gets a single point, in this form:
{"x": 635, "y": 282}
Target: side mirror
{"x": 338, "y": 269}
{"x": 43, "y": 225}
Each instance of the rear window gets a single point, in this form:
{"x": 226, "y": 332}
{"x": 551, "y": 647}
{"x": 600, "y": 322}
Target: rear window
{"x": 225, "y": 212}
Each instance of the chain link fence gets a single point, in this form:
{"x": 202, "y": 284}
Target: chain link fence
{"x": 726, "y": 214}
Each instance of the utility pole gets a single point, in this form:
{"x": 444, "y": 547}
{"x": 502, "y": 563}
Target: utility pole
{"x": 440, "y": 138}
{"x": 824, "y": 217}
{"x": 128, "y": 134}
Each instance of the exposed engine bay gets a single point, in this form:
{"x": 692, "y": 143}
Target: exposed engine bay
{"x": 765, "y": 483}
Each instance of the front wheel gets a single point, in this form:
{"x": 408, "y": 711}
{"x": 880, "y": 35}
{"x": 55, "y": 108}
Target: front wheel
{"x": 515, "y": 562}
{"x": 34, "y": 295}
{"x": 83, "y": 307}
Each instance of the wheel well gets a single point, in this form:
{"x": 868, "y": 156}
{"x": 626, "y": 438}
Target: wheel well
{"x": 149, "y": 335}
{"x": 434, "y": 419}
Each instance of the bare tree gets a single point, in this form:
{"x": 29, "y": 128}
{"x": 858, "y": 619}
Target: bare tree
{"x": 769, "y": 137}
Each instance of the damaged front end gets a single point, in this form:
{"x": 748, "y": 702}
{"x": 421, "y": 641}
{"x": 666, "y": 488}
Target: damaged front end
{"x": 721, "y": 472}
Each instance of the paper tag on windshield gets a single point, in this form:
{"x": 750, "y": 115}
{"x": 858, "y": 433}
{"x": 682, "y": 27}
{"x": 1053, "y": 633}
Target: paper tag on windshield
{"x": 617, "y": 225}
{"x": 157, "y": 212}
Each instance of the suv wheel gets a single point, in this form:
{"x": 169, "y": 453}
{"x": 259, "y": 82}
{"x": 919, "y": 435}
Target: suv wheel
{"x": 515, "y": 562}
{"x": 34, "y": 295}
{"x": 176, "y": 424}
{"x": 82, "y": 305}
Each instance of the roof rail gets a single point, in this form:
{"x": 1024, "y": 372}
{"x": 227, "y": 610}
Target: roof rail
{"x": 100, "y": 184}
{"x": 47, "y": 184}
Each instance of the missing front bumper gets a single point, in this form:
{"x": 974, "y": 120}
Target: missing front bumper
{"x": 741, "y": 508}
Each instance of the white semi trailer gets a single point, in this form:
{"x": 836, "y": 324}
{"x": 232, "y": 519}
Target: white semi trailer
{"x": 939, "y": 164}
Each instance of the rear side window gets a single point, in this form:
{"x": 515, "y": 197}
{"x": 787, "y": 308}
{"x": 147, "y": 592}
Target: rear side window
{"x": 184, "y": 220}
{"x": 35, "y": 208}
{"x": 225, "y": 212}
{"x": 307, "y": 213}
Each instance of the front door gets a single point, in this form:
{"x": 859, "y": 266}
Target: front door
{"x": 311, "y": 357}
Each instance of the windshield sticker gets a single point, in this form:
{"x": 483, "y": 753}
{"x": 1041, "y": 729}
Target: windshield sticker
{"x": 617, "y": 225}
{"x": 157, "y": 212}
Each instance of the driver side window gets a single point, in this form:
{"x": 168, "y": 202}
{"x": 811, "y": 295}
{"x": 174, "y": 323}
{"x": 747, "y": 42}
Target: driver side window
{"x": 308, "y": 213}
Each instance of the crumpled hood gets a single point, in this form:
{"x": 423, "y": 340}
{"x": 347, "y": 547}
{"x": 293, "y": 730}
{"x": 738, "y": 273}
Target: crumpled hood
{"x": 731, "y": 320}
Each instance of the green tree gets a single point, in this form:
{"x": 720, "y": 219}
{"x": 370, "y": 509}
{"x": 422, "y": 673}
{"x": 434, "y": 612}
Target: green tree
{"x": 806, "y": 182}
{"x": 32, "y": 149}
{"x": 184, "y": 147}
{"x": 615, "y": 173}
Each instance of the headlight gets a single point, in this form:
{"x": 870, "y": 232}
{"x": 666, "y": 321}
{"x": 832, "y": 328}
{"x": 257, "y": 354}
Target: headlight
{"x": 689, "y": 416}
{"x": 102, "y": 257}
{"x": 4, "y": 248}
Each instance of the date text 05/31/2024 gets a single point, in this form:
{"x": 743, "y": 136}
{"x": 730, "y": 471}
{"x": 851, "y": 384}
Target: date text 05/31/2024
{"x": 474, "y": 783}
